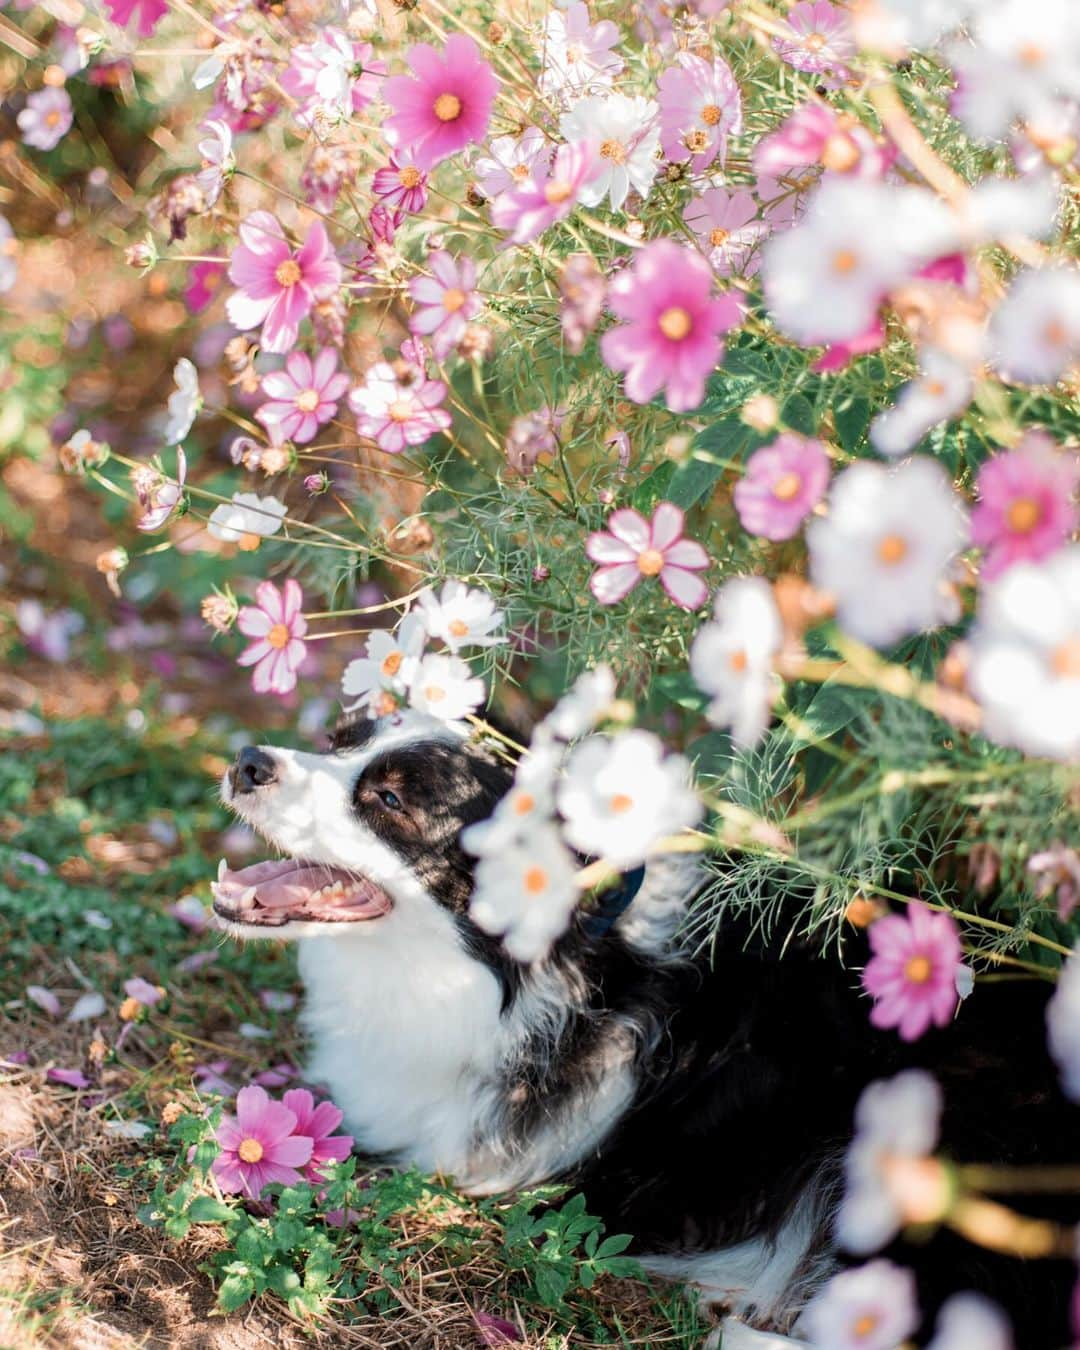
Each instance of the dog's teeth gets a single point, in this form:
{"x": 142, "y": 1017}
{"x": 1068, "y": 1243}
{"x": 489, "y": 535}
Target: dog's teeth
{"x": 222, "y": 868}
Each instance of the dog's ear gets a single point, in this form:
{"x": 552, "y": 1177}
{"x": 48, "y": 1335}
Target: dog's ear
{"x": 352, "y": 731}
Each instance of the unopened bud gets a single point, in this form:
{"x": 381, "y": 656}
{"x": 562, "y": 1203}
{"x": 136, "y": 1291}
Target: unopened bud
{"x": 218, "y": 611}
{"x": 143, "y": 255}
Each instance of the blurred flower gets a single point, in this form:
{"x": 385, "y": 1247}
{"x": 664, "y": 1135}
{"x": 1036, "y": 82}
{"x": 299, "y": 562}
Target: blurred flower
{"x": 331, "y": 78}
{"x": 1026, "y": 509}
{"x": 872, "y": 1307}
{"x": 576, "y": 53}
{"x": 1057, "y": 870}
{"x": 1025, "y": 657}
{"x": 246, "y": 519}
{"x": 820, "y": 40}
{"x": 912, "y": 974}
{"x": 149, "y": 13}
{"x": 582, "y": 289}
{"x": 885, "y": 547}
{"x": 728, "y": 227}
{"x": 318, "y": 1123}
{"x": 45, "y": 999}
{"x": 670, "y": 335}
{"x": 445, "y": 687}
{"x": 942, "y": 390}
{"x": 444, "y": 106}
{"x": 620, "y": 795}
{"x": 86, "y": 1007}
{"x": 397, "y": 410}
{"x": 971, "y": 1322}
{"x": 401, "y": 184}
{"x": 278, "y": 627}
{"x": 184, "y": 402}
{"x": 526, "y": 892}
{"x": 461, "y": 616}
{"x": 218, "y": 160}
{"x": 218, "y": 611}
{"x": 816, "y": 134}
{"x": 1035, "y": 331}
{"x": 549, "y": 194}
{"x": 143, "y": 991}
{"x": 46, "y": 119}
{"x": 387, "y": 669}
{"x": 531, "y": 435}
{"x": 277, "y": 1000}
{"x": 208, "y": 1078}
{"x": 511, "y": 161}
{"x": 277, "y": 286}
{"x": 700, "y": 108}
{"x": 9, "y": 248}
{"x": 303, "y": 396}
{"x": 1063, "y": 1025}
{"x": 171, "y": 209}
{"x": 496, "y": 1330}
{"x": 47, "y": 635}
{"x": 632, "y": 548}
{"x": 625, "y": 134}
{"x": 527, "y": 805}
{"x": 781, "y": 485}
{"x": 583, "y": 705}
{"x": 732, "y": 658}
{"x": 110, "y": 563}
{"x": 157, "y": 495}
{"x": 191, "y": 912}
{"x": 259, "y": 1145}
{"x": 445, "y": 301}
{"x": 72, "y": 1078}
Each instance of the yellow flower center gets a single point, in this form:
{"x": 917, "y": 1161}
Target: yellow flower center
{"x": 918, "y": 970}
{"x": 535, "y": 881}
{"x": 457, "y": 628}
{"x": 786, "y": 487}
{"x": 814, "y": 42}
{"x": 523, "y": 803}
{"x": 844, "y": 261}
{"x": 287, "y": 273}
{"x": 738, "y": 661}
{"x": 613, "y": 150}
{"x": 865, "y": 1325}
{"x": 249, "y": 541}
{"x": 392, "y": 664}
{"x": 453, "y": 299}
{"x": 892, "y": 549}
{"x": 557, "y": 191}
{"x": 719, "y": 236}
{"x": 711, "y": 114}
{"x": 675, "y": 323}
{"x": 447, "y": 107}
{"x": 839, "y": 153}
{"x": 1065, "y": 659}
{"x": 307, "y": 400}
{"x": 408, "y": 176}
{"x": 1023, "y": 515}
{"x": 129, "y": 1009}
{"x": 620, "y": 804}
{"x": 278, "y": 636}
{"x": 434, "y": 693}
{"x": 250, "y": 1151}
{"x": 650, "y": 562}
{"x": 519, "y": 173}
{"x": 400, "y": 410}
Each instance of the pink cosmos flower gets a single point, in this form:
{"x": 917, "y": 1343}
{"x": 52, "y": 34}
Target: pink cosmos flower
{"x": 1027, "y": 504}
{"x": 278, "y": 627}
{"x": 204, "y": 282}
{"x": 303, "y": 396}
{"x": 510, "y": 161}
{"x": 396, "y": 408}
{"x": 700, "y": 107}
{"x": 401, "y": 184}
{"x": 670, "y": 336}
{"x": 729, "y": 230}
{"x": 46, "y": 119}
{"x": 278, "y": 286}
{"x": 333, "y": 75}
{"x": 445, "y": 301}
{"x": 912, "y": 974}
{"x": 319, "y": 1122}
{"x": 782, "y": 484}
{"x": 547, "y": 195}
{"x": 259, "y": 1145}
{"x": 632, "y": 548}
{"x": 150, "y": 13}
{"x": 817, "y": 134}
{"x": 821, "y": 42}
{"x": 445, "y": 105}
{"x": 158, "y": 496}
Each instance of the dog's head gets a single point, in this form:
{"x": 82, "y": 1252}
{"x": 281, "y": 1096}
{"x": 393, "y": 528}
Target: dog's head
{"x": 369, "y": 830}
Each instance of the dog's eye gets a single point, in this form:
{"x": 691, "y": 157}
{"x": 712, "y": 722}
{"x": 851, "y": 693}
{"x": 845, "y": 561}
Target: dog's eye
{"x": 390, "y": 800}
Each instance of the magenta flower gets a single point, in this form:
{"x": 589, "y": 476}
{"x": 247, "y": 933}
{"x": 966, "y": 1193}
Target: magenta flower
{"x": 319, "y": 1122}
{"x": 259, "y": 1145}
{"x": 150, "y": 13}
{"x": 782, "y": 484}
{"x": 278, "y": 286}
{"x": 1027, "y": 504}
{"x": 632, "y": 548}
{"x": 817, "y": 134}
{"x": 670, "y": 337}
{"x": 399, "y": 408}
{"x": 46, "y": 119}
{"x": 912, "y": 974}
{"x": 820, "y": 41}
{"x": 444, "y": 106}
{"x": 204, "y": 282}
{"x": 278, "y": 627}
{"x": 401, "y": 184}
{"x": 547, "y": 195}
{"x": 303, "y": 396}
{"x": 700, "y": 107}
{"x": 445, "y": 301}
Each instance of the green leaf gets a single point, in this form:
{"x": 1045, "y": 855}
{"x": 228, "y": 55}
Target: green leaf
{"x": 612, "y": 1246}
{"x": 234, "y": 1292}
{"x": 654, "y": 488}
{"x": 798, "y": 414}
{"x": 852, "y": 419}
{"x": 550, "y": 1283}
{"x": 205, "y": 1209}
{"x": 177, "y": 1226}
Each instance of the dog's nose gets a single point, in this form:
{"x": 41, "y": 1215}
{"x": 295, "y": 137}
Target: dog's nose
{"x": 253, "y": 768}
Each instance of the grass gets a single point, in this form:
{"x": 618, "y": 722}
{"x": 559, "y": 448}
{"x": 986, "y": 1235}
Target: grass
{"x": 121, "y": 1242}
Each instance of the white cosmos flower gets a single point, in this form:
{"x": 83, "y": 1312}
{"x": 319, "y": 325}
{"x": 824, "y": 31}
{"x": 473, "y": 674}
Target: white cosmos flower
{"x": 246, "y": 519}
{"x": 886, "y": 546}
{"x": 218, "y": 160}
{"x": 526, "y": 893}
{"x": 942, "y": 390}
{"x": 184, "y": 403}
{"x": 897, "y": 1119}
{"x": 1035, "y": 331}
{"x": 461, "y": 616}
{"x": 626, "y": 134}
{"x": 1025, "y": 657}
{"x": 583, "y": 705}
{"x": 1063, "y": 1025}
{"x": 620, "y": 795}
{"x": 530, "y": 801}
{"x": 971, "y": 1322}
{"x": 445, "y": 687}
{"x": 870, "y": 1308}
{"x": 899, "y": 25}
{"x": 732, "y": 657}
{"x": 378, "y": 681}
{"x": 510, "y": 162}
{"x": 577, "y": 54}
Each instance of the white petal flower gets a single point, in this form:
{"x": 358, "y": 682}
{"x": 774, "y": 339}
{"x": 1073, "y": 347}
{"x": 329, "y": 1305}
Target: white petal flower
{"x": 184, "y": 403}
{"x": 530, "y": 801}
{"x": 1063, "y": 1025}
{"x": 582, "y": 707}
{"x": 526, "y": 893}
{"x": 445, "y": 687}
{"x": 870, "y": 1308}
{"x": 1035, "y": 331}
{"x": 971, "y": 1322}
{"x": 1025, "y": 657}
{"x": 885, "y": 548}
{"x": 576, "y": 53}
{"x": 219, "y": 162}
{"x": 246, "y": 519}
{"x": 378, "y": 681}
{"x": 942, "y": 390}
{"x": 626, "y": 134}
{"x": 732, "y": 657}
{"x": 461, "y": 616}
{"x": 86, "y": 1007}
{"x": 620, "y": 796}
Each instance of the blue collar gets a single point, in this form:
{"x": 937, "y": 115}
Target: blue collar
{"x": 613, "y": 903}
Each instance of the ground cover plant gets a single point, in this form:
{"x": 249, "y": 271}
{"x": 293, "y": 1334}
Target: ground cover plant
{"x": 693, "y": 386}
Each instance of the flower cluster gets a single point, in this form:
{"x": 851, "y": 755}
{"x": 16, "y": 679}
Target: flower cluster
{"x": 269, "y": 1141}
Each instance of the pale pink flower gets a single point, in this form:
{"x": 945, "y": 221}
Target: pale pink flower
{"x": 259, "y": 1145}
{"x": 218, "y": 160}
{"x": 445, "y": 301}
{"x": 632, "y": 548}
{"x": 548, "y": 195}
{"x": 728, "y": 227}
{"x": 871, "y": 1307}
{"x": 782, "y": 484}
{"x": 670, "y": 335}
{"x": 820, "y": 41}
{"x": 817, "y": 134}
{"x": 510, "y": 163}
{"x": 1027, "y": 503}
{"x": 150, "y": 13}
{"x": 46, "y": 119}
{"x": 401, "y": 184}
{"x": 912, "y": 974}
{"x": 582, "y": 290}
{"x": 398, "y": 409}
{"x": 157, "y": 495}
{"x": 700, "y": 107}
{"x": 278, "y": 627}
{"x": 577, "y": 55}
{"x": 333, "y": 76}
{"x": 318, "y": 1123}
{"x": 444, "y": 106}
{"x": 277, "y": 285}
{"x": 303, "y": 396}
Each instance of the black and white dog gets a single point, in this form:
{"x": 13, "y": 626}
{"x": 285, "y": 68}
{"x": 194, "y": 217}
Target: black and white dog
{"x": 702, "y": 1107}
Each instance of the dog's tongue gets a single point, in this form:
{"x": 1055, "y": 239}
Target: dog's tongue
{"x": 308, "y": 888}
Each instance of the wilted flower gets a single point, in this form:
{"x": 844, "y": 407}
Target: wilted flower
{"x": 531, "y": 435}
{"x": 1057, "y": 870}
{"x": 172, "y": 208}
{"x": 159, "y": 496}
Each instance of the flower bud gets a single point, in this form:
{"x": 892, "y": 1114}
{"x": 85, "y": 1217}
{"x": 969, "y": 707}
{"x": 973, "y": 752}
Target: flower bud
{"x": 218, "y": 611}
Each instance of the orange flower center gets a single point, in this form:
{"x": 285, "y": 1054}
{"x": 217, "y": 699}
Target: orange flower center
{"x": 711, "y": 114}
{"x": 434, "y": 693}
{"x": 519, "y": 173}
{"x": 1031, "y": 54}
{"x": 786, "y": 487}
{"x": 918, "y": 970}
{"x": 934, "y": 388}
{"x": 392, "y": 664}
{"x": 865, "y": 1325}
{"x": 457, "y": 628}
{"x": 1023, "y": 515}
{"x": 453, "y": 299}
{"x": 523, "y": 803}
{"x": 738, "y": 661}
{"x": 675, "y": 323}
{"x": 620, "y": 803}
{"x": 839, "y": 153}
{"x": 249, "y": 541}
{"x": 1054, "y": 333}
{"x": 408, "y": 176}
{"x": 278, "y": 636}
{"x": 535, "y": 880}
{"x": 557, "y": 191}
{"x": 613, "y": 150}
{"x": 845, "y": 261}
{"x": 447, "y": 107}
{"x": 386, "y": 705}
{"x": 250, "y": 1151}
{"x": 719, "y": 236}
{"x": 650, "y": 561}
{"x": 892, "y": 549}
{"x": 307, "y": 400}
{"x": 814, "y": 42}
{"x": 400, "y": 410}
{"x": 287, "y": 273}
{"x": 1066, "y": 659}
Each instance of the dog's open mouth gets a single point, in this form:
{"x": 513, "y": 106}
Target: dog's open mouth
{"x": 273, "y": 893}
